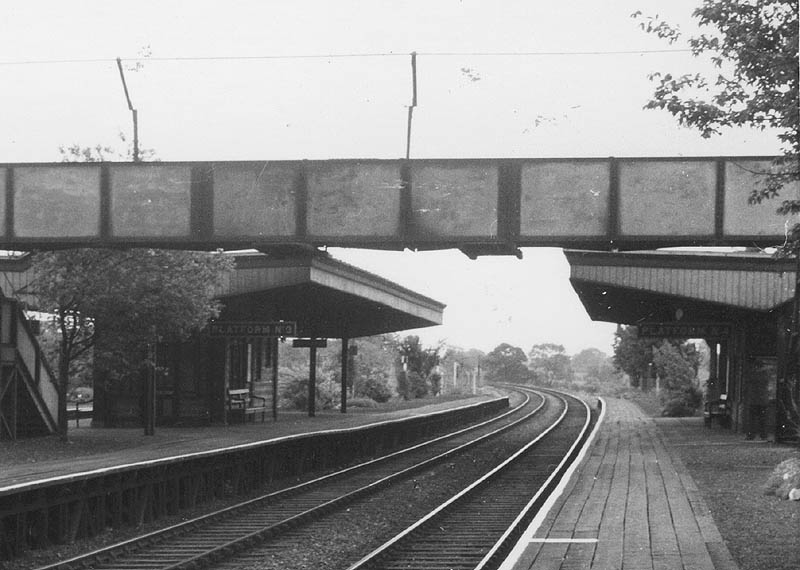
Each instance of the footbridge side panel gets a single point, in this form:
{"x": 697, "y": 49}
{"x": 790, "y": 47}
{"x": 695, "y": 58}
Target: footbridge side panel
{"x": 482, "y": 204}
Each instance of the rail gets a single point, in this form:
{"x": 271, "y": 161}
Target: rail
{"x": 222, "y": 533}
{"x": 487, "y": 504}
{"x": 83, "y": 505}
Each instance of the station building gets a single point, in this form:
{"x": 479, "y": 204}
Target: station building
{"x": 320, "y": 297}
{"x": 740, "y": 303}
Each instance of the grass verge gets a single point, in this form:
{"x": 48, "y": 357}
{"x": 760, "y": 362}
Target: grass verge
{"x": 760, "y": 530}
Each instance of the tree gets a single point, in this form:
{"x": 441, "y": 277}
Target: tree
{"x": 460, "y": 367}
{"x": 80, "y": 371}
{"x": 114, "y": 300}
{"x": 415, "y": 385}
{"x": 506, "y": 363}
{"x": 593, "y": 363}
{"x": 633, "y": 355}
{"x": 293, "y": 376}
{"x": 371, "y": 367}
{"x": 550, "y": 362}
{"x": 418, "y": 365}
{"x": 676, "y": 367}
{"x": 124, "y": 298}
{"x": 754, "y": 44}
{"x": 418, "y": 359}
{"x": 675, "y": 372}
{"x": 100, "y": 153}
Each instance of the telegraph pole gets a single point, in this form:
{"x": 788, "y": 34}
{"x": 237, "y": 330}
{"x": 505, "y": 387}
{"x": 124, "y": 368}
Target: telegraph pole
{"x": 134, "y": 112}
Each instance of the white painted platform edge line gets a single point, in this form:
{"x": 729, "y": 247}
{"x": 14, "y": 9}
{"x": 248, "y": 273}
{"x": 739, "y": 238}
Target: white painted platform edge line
{"x": 565, "y": 540}
{"x": 554, "y": 475}
{"x": 527, "y": 536}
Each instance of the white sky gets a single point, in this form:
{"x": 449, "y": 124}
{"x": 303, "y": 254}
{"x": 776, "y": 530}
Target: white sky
{"x": 355, "y": 107}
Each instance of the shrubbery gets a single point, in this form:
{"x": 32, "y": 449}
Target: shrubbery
{"x": 374, "y": 388}
{"x": 680, "y": 397}
{"x": 295, "y": 395}
{"x": 370, "y": 392}
{"x": 784, "y": 479}
{"x": 362, "y": 403}
{"x": 681, "y": 403}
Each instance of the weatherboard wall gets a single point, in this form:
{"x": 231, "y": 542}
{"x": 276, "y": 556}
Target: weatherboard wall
{"x": 748, "y": 282}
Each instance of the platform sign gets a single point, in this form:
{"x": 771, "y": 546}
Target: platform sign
{"x": 685, "y": 330}
{"x": 310, "y": 343}
{"x": 251, "y": 329}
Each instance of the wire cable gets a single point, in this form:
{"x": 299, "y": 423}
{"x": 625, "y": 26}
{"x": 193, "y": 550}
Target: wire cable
{"x": 343, "y": 56}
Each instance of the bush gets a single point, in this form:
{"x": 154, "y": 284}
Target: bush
{"x": 295, "y": 394}
{"x": 784, "y": 478}
{"x": 374, "y": 387}
{"x": 411, "y": 385}
{"x": 418, "y": 385}
{"x": 681, "y": 403}
{"x": 362, "y": 403}
{"x": 80, "y": 394}
{"x": 435, "y": 380}
{"x": 590, "y": 388}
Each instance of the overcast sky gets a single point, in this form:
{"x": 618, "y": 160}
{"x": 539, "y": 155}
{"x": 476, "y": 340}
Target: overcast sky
{"x": 226, "y": 80}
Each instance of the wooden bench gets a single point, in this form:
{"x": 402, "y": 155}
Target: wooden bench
{"x": 717, "y": 409}
{"x": 240, "y": 400}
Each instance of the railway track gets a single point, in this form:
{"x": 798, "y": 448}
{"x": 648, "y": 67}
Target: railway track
{"x": 431, "y": 540}
{"x": 476, "y": 528}
{"x": 220, "y": 535}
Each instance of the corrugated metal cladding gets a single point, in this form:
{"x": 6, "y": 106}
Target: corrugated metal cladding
{"x": 760, "y": 290}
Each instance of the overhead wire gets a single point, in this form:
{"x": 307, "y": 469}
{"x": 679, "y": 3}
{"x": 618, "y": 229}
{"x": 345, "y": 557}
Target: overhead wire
{"x": 343, "y": 55}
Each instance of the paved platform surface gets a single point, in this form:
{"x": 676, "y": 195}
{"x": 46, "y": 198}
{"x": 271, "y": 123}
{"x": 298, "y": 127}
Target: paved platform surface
{"x": 29, "y": 460}
{"x": 632, "y": 505}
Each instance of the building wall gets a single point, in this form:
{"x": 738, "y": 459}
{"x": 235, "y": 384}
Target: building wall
{"x": 191, "y": 384}
{"x": 757, "y": 355}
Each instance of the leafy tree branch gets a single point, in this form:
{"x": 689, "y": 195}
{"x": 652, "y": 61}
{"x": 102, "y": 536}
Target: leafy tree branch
{"x": 754, "y": 44}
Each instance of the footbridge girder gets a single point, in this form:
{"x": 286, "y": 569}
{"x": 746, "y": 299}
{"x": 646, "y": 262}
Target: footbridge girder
{"x": 481, "y": 206}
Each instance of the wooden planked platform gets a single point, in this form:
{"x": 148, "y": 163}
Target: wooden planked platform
{"x": 632, "y": 505}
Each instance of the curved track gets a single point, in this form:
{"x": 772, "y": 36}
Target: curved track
{"x": 336, "y": 540}
{"x": 220, "y": 535}
{"x": 476, "y": 528}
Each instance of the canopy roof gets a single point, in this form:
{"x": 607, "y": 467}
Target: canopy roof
{"x": 325, "y": 297}
{"x": 636, "y": 286}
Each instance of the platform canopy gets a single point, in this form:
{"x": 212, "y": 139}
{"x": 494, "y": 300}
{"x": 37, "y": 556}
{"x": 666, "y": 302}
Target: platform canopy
{"x": 672, "y": 285}
{"x": 481, "y": 206}
{"x": 325, "y": 297}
